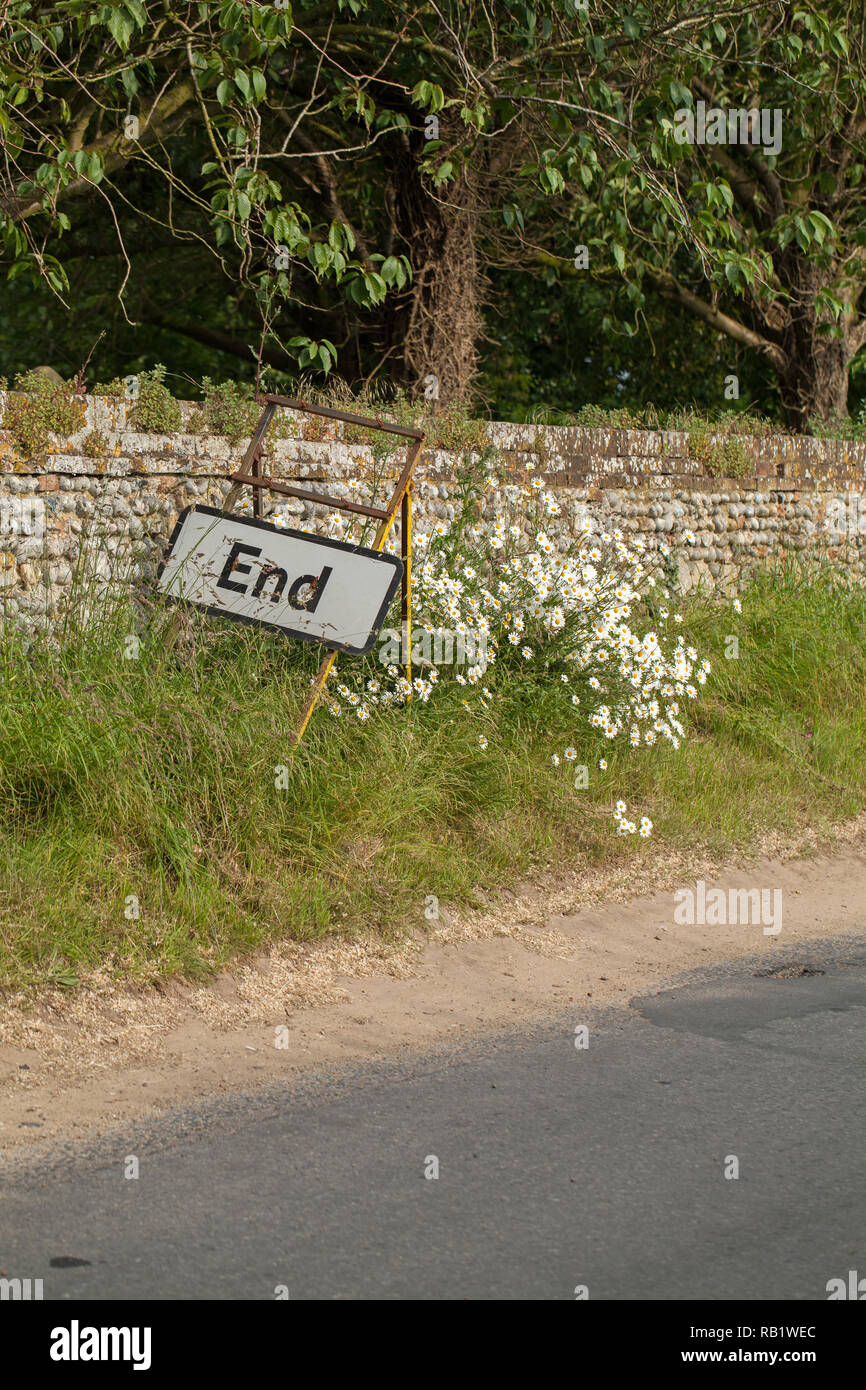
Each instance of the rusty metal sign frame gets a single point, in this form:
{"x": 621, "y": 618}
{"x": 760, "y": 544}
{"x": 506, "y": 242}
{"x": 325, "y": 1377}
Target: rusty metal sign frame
{"x": 249, "y": 475}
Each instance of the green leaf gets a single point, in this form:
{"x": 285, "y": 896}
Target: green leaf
{"x": 121, "y": 27}
{"x": 511, "y": 213}
{"x": 224, "y": 91}
{"x": 821, "y": 226}
{"x": 242, "y": 82}
{"x": 57, "y": 278}
{"x": 551, "y": 179}
{"x": 391, "y": 270}
{"x": 376, "y": 286}
{"x": 428, "y": 94}
{"x": 732, "y": 273}
{"x": 619, "y": 256}
{"x": 319, "y": 255}
{"x": 839, "y": 43}
{"x": 130, "y": 82}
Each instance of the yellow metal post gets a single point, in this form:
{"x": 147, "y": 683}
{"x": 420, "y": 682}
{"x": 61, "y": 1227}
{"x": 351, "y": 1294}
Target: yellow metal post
{"x": 406, "y": 603}
{"x": 313, "y": 697}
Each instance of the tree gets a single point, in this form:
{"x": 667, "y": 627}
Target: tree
{"x": 759, "y": 233}
{"x": 292, "y": 149}
{"x": 342, "y": 179}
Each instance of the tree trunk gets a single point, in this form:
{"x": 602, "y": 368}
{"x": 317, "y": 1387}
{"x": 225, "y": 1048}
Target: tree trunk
{"x": 814, "y": 386}
{"x": 432, "y": 331}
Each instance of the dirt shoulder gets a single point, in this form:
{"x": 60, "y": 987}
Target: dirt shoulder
{"x": 77, "y": 1065}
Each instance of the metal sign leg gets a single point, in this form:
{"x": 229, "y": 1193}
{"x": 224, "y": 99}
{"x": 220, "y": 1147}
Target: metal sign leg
{"x": 406, "y": 593}
{"x": 313, "y": 697}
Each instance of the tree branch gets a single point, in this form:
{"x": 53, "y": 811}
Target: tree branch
{"x": 670, "y": 288}
{"x": 768, "y": 180}
{"x": 224, "y": 342}
{"x": 115, "y": 149}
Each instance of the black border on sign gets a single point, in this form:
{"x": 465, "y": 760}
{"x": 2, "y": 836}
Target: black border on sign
{"x": 393, "y": 560}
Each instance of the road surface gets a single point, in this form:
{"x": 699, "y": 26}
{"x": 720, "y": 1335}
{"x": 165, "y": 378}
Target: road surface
{"x": 559, "y": 1167}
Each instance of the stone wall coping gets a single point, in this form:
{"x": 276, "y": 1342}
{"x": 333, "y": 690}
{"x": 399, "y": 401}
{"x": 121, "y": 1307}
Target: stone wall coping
{"x": 564, "y": 455}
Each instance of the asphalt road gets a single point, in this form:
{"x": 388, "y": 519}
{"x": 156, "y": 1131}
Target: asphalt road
{"x": 558, "y": 1167}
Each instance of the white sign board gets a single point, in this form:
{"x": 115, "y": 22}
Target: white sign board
{"x": 316, "y": 589}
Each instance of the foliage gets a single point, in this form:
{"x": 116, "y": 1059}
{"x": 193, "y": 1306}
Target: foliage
{"x": 155, "y": 409}
{"x": 230, "y": 409}
{"x": 38, "y": 409}
{"x": 752, "y": 235}
{"x": 114, "y": 388}
{"x": 720, "y": 421}
{"x": 95, "y": 444}
{"x": 726, "y": 459}
{"x": 846, "y": 427}
{"x": 274, "y": 226}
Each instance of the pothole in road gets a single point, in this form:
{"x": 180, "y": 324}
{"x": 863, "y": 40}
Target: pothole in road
{"x": 794, "y": 970}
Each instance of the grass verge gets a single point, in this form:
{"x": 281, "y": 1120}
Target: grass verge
{"x": 147, "y": 827}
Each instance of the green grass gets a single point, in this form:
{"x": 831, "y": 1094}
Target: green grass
{"x": 154, "y": 776}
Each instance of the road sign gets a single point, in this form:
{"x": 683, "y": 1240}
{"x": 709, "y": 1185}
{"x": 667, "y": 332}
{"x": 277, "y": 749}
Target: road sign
{"x": 307, "y": 586}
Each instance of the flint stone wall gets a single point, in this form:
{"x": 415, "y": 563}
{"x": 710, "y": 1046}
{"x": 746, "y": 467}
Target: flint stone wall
{"x": 122, "y": 491}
